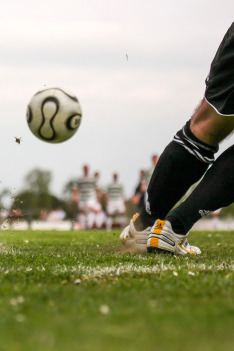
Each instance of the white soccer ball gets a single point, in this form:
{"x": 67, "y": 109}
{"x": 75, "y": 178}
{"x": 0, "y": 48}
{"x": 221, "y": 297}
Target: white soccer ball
{"x": 54, "y": 115}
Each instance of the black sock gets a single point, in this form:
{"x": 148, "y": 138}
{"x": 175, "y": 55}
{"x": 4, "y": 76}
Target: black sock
{"x": 177, "y": 226}
{"x": 182, "y": 163}
{"x": 144, "y": 220}
{"x": 216, "y": 190}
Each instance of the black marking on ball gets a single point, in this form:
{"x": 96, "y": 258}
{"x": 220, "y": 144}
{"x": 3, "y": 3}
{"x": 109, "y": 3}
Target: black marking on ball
{"x": 53, "y": 99}
{"x": 77, "y": 122}
{"x": 29, "y": 115}
{"x": 74, "y": 98}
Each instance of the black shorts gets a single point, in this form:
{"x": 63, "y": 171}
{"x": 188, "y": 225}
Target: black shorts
{"x": 220, "y": 81}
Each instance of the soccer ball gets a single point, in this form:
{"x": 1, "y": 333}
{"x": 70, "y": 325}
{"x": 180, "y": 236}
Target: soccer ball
{"x": 54, "y": 115}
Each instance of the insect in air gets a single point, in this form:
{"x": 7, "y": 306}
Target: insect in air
{"x": 18, "y": 140}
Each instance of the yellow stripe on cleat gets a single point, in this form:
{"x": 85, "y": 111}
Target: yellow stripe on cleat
{"x": 154, "y": 242}
{"x": 159, "y": 226}
{"x": 135, "y": 217}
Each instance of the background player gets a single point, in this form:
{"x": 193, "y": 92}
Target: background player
{"x": 115, "y": 202}
{"x": 149, "y": 172}
{"x": 100, "y": 215}
{"x": 138, "y": 198}
{"x": 87, "y": 199}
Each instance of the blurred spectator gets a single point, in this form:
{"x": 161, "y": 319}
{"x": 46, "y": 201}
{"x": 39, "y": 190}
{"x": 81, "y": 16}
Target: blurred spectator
{"x": 139, "y": 196}
{"x": 75, "y": 194}
{"x": 115, "y": 203}
{"x": 150, "y": 171}
{"x": 15, "y": 215}
{"x": 87, "y": 199}
{"x": 100, "y": 217}
{"x": 97, "y": 187}
{"x": 56, "y": 215}
{"x": 43, "y": 215}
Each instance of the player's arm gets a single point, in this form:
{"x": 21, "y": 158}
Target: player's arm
{"x": 75, "y": 194}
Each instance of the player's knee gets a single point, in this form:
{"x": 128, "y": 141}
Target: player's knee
{"x": 209, "y": 126}
{"x": 202, "y": 151}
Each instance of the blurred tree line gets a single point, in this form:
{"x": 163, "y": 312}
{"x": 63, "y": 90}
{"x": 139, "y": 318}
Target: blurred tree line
{"x": 36, "y": 196}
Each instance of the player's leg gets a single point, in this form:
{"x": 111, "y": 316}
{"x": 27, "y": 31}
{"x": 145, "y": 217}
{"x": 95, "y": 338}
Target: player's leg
{"x": 100, "y": 219}
{"x": 183, "y": 162}
{"x": 99, "y": 215}
{"x": 82, "y": 216}
{"x": 216, "y": 190}
{"x": 91, "y": 217}
{"x": 209, "y": 126}
{"x": 180, "y": 167}
{"x": 91, "y": 213}
{"x": 82, "y": 219}
{"x": 110, "y": 214}
{"x": 187, "y": 157}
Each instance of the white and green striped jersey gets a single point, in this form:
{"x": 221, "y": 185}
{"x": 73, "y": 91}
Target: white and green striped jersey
{"x": 87, "y": 188}
{"x": 115, "y": 191}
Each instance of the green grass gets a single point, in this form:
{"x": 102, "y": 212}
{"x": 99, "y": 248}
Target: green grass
{"x": 80, "y": 291}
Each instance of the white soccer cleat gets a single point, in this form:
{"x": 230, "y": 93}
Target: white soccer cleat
{"x": 136, "y": 240}
{"x": 162, "y": 238}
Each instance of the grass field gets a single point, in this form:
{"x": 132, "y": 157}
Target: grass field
{"x": 80, "y": 291}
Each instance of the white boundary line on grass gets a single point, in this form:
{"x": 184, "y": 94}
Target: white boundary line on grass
{"x": 121, "y": 269}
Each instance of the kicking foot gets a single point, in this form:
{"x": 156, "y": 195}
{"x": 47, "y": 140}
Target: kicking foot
{"x": 135, "y": 239}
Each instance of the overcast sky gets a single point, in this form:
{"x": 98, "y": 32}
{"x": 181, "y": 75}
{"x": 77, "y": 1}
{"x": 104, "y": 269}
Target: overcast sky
{"x": 131, "y": 108}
